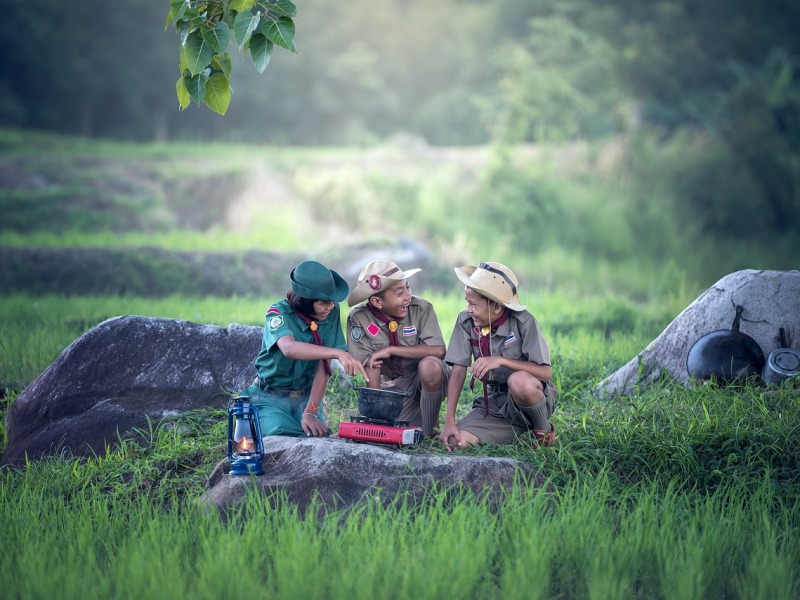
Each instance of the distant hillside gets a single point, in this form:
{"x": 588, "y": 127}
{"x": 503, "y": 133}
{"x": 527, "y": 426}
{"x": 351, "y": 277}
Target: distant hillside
{"x": 91, "y": 218}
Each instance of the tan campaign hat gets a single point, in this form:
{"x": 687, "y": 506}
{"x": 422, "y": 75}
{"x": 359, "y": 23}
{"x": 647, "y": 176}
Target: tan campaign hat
{"x": 376, "y": 277}
{"x": 493, "y": 280}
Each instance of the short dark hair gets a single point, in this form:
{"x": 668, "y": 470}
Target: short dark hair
{"x": 300, "y": 304}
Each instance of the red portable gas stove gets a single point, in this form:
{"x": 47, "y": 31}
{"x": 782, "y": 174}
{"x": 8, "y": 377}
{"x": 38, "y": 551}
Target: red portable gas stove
{"x": 379, "y": 431}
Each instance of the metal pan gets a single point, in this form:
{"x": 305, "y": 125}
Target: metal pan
{"x": 725, "y": 354}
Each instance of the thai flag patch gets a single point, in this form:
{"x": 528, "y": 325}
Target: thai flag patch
{"x": 510, "y": 338}
{"x": 373, "y": 329}
{"x": 409, "y": 331}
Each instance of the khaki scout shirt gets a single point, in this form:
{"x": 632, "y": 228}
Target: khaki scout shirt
{"x": 518, "y": 338}
{"x": 366, "y": 334}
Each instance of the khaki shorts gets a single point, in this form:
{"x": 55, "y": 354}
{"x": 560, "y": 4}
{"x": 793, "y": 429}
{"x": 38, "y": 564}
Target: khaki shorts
{"x": 505, "y": 422}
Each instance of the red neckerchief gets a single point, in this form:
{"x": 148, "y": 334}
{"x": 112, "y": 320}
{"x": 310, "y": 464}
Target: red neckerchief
{"x": 312, "y": 325}
{"x": 393, "y": 326}
{"x": 484, "y": 349}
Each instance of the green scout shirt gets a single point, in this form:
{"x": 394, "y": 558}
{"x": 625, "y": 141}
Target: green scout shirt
{"x": 366, "y": 334}
{"x": 284, "y": 373}
{"x": 518, "y": 338}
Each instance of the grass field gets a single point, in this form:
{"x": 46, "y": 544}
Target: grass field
{"x": 667, "y": 493}
{"x": 671, "y": 493}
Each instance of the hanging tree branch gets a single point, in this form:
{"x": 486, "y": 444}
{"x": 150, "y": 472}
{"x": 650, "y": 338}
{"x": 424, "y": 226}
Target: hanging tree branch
{"x": 206, "y": 27}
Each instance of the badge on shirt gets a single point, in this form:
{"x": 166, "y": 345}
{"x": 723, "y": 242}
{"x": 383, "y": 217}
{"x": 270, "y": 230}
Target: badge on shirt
{"x": 275, "y": 322}
{"x": 373, "y": 329}
{"x": 356, "y": 332}
{"x": 409, "y": 331}
{"x": 510, "y": 339}
{"x": 273, "y": 311}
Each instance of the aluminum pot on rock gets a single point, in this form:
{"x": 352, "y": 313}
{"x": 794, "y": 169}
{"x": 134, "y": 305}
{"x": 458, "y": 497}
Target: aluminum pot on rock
{"x": 782, "y": 363}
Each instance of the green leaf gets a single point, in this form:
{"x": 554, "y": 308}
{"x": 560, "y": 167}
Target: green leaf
{"x": 241, "y": 6}
{"x": 222, "y": 62}
{"x": 243, "y": 27}
{"x": 196, "y": 86}
{"x": 177, "y": 8}
{"x": 281, "y": 32}
{"x": 184, "y": 99}
{"x": 217, "y": 37}
{"x": 198, "y": 52}
{"x": 260, "y": 51}
{"x": 218, "y": 93}
{"x": 281, "y": 7}
{"x": 194, "y": 17}
{"x": 182, "y": 64}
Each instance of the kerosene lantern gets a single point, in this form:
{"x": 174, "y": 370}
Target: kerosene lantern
{"x": 245, "y": 446}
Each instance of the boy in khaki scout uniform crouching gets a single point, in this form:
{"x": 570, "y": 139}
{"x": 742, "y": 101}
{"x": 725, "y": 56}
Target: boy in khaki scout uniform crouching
{"x": 502, "y": 341}
{"x": 397, "y": 338}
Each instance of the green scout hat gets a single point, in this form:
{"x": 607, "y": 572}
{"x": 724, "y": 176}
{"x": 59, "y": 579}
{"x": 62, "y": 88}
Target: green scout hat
{"x": 493, "y": 280}
{"x": 314, "y": 280}
{"x": 376, "y": 277}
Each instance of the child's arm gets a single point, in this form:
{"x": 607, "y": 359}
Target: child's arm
{"x": 483, "y": 365}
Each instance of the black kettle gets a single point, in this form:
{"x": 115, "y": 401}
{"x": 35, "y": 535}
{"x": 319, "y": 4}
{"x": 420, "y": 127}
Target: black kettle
{"x": 725, "y": 354}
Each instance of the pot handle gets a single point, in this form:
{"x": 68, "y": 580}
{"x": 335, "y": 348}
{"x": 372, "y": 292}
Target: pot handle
{"x": 737, "y": 318}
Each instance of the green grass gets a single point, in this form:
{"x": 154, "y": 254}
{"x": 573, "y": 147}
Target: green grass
{"x": 667, "y": 493}
{"x": 124, "y": 525}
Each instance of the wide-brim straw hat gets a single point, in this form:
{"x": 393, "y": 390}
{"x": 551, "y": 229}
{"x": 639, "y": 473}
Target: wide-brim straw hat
{"x": 314, "y": 280}
{"x": 375, "y": 277}
{"x": 493, "y": 280}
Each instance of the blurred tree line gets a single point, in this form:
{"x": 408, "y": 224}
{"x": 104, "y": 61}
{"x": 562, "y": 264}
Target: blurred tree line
{"x": 451, "y": 71}
{"x": 706, "y": 95}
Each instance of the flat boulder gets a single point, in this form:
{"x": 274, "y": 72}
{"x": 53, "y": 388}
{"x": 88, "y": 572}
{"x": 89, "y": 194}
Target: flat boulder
{"x": 121, "y": 373}
{"x": 339, "y": 474}
{"x": 770, "y": 301}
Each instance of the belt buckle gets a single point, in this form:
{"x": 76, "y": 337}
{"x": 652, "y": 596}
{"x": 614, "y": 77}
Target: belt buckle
{"x": 296, "y": 394}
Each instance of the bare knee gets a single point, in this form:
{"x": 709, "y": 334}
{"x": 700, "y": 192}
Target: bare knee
{"x": 525, "y": 389}
{"x": 431, "y": 375}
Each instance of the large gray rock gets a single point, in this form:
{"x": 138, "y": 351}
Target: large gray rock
{"x": 771, "y": 301}
{"x": 341, "y": 474}
{"x": 122, "y": 372}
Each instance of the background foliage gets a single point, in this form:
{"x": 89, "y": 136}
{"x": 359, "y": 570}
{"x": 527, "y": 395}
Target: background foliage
{"x": 702, "y": 103}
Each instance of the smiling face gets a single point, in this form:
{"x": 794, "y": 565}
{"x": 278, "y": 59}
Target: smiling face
{"x": 393, "y": 301}
{"x": 482, "y": 310}
{"x": 322, "y": 308}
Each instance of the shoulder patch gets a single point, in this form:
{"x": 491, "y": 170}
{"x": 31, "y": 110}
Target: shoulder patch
{"x": 273, "y": 311}
{"x": 373, "y": 329}
{"x": 356, "y": 332}
{"x": 275, "y": 322}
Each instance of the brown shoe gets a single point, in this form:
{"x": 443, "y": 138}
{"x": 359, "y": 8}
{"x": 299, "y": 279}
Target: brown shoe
{"x": 540, "y": 437}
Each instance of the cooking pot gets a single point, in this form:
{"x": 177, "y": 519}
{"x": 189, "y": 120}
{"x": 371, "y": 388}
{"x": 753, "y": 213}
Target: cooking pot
{"x": 782, "y": 363}
{"x": 380, "y": 404}
{"x": 725, "y": 354}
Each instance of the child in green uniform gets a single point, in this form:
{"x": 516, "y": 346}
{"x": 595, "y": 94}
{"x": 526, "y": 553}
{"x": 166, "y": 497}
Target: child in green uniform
{"x": 502, "y": 342}
{"x": 301, "y": 335}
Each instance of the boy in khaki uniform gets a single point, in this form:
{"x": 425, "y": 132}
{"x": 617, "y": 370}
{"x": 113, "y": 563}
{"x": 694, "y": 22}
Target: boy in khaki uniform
{"x": 397, "y": 338}
{"x": 502, "y": 341}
